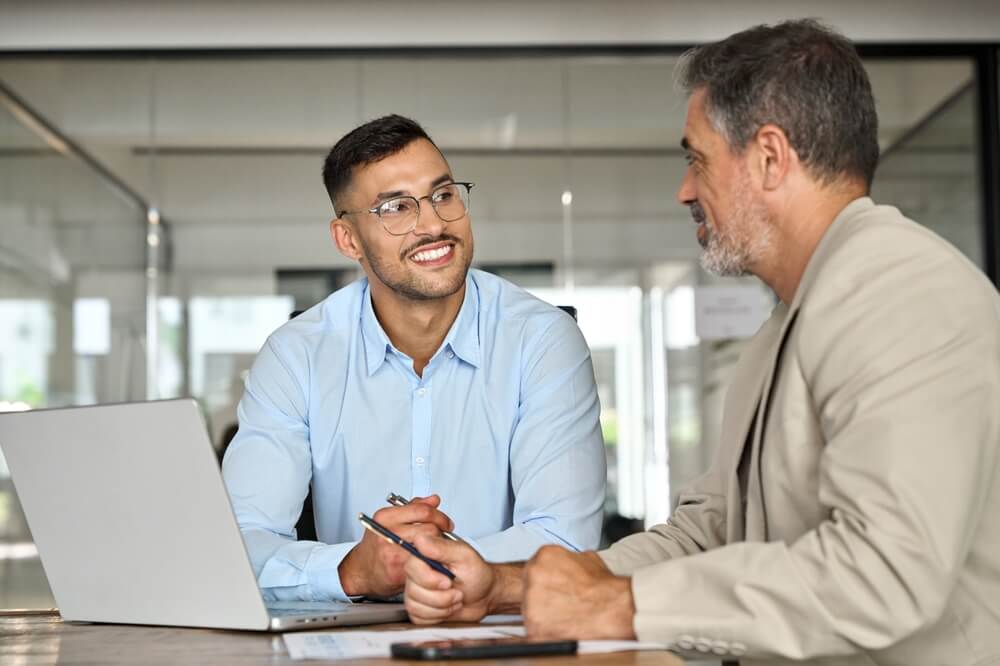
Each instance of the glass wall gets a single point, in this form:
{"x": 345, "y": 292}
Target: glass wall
{"x": 576, "y": 160}
{"x": 71, "y": 309}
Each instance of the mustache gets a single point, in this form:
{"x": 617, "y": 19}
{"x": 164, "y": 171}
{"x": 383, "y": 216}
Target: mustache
{"x": 429, "y": 241}
{"x": 697, "y": 212}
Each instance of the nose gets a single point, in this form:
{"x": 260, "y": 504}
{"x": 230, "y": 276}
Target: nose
{"x": 687, "y": 194}
{"x": 429, "y": 223}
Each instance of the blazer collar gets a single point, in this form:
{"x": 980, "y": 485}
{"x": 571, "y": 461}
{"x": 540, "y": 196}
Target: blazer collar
{"x": 827, "y": 245}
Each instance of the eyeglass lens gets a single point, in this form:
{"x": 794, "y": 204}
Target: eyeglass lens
{"x": 400, "y": 215}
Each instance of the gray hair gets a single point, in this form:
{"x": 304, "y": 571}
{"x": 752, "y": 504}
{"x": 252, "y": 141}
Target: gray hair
{"x": 801, "y": 76}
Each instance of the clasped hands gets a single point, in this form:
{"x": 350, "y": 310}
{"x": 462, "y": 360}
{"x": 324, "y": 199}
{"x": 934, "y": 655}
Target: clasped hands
{"x": 374, "y": 567}
{"x": 561, "y": 594}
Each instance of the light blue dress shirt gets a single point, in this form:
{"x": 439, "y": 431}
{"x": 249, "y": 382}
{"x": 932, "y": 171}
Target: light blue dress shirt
{"x": 503, "y": 425}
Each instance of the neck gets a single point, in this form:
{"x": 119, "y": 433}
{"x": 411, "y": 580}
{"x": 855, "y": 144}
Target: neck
{"x": 416, "y": 328}
{"x": 798, "y": 229}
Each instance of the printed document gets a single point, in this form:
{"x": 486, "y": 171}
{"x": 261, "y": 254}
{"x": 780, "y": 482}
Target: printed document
{"x": 359, "y": 644}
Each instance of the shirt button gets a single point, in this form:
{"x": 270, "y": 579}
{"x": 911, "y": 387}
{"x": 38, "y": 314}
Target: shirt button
{"x": 720, "y": 647}
{"x": 451, "y": 354}
{"x": 419, "y": 460}
{"x": 685, "y": 642}
{"x": 703, "y": 645}
{"x": 738, "y": 649}
{"x": 421, "y": 392}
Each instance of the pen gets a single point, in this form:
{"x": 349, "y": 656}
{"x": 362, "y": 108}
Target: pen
{"x": 392, "y": 537}
{"x": 399, "y": 500}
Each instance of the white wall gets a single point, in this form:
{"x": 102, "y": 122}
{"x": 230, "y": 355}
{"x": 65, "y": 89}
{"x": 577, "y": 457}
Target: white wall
{"x": 62, "y": 24}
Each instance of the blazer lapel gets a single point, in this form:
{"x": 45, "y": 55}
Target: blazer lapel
{"x": 755, "y": 520}
{"x": 756, "y": 513}
{"x": 742, "y": 400}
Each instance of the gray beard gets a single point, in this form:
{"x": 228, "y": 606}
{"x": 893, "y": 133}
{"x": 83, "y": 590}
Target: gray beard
{"x": 731, "y": 252}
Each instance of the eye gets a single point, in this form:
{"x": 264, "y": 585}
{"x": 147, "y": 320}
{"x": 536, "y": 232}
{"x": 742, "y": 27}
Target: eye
{"x": 443, "y": 195}
{"x": 396, "y": 207}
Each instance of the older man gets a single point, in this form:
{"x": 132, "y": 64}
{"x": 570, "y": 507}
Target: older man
{"x": 850, "y": 515}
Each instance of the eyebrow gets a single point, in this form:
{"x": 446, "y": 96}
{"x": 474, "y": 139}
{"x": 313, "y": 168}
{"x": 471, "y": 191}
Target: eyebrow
{"x": 440, "y": 180}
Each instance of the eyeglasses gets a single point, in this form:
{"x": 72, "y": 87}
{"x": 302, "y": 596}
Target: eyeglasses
{"x": 399, "y": 215}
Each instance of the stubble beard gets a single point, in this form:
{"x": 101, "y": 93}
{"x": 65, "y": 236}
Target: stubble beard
{"x": 412, "y": 286}
{"x": 731, "y": 250}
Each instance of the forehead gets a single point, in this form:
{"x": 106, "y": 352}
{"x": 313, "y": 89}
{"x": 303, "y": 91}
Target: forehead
{"x": 414, "y": 166}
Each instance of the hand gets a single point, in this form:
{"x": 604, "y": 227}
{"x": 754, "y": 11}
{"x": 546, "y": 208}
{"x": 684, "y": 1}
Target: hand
{"x": 375, "y": 566}
{"x": 432, "y": 597}
{"x": 574, "y": 595}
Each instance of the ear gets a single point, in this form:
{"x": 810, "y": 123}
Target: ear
{"x": 344, "y": 237}
{"x": 774, "y": 156}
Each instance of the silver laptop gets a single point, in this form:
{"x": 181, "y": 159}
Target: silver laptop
{"x": 133, "y": 523}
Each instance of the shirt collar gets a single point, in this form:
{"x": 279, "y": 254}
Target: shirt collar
{"x": 462, "y": 338}
{"x": 377, "y": 343}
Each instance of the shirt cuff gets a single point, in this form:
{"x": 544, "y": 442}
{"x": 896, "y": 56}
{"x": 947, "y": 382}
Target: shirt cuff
{"x": 322, "y": 571}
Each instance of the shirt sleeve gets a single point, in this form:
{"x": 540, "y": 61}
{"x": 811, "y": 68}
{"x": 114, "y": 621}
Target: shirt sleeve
{"x": 558, "y": 468}
{"x": 267, "y": 470}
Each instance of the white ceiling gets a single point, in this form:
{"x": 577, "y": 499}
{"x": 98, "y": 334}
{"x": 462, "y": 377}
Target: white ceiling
{"x": 104, "y": 24}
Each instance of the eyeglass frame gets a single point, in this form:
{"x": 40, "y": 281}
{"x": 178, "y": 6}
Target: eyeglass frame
{"x": 375, "y": 209}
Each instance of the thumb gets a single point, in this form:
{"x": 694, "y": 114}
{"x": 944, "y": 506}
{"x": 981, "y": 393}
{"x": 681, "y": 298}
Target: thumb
{"x": 436, "y": 548}
{"x": 450, "y": 553}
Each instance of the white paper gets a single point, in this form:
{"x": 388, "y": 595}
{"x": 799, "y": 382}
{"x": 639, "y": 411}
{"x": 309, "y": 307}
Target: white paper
{"x": 359, "y": 644}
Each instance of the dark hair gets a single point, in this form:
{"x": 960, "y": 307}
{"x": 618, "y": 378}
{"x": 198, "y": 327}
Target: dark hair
{"x": 800, "y": 75}
{"x": 369, "y": 143}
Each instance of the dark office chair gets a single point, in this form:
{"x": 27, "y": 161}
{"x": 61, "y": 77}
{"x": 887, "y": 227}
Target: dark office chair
{"x": 568, "y": 309}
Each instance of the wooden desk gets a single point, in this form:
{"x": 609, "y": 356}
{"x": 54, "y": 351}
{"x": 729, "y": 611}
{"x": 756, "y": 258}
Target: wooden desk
{"x": 44, "y": 640}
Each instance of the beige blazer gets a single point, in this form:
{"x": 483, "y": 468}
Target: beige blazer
{"x": 872, "y": 531}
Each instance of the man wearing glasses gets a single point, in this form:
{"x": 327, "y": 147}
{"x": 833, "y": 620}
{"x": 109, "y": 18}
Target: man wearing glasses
{"x": 426, "y": 378}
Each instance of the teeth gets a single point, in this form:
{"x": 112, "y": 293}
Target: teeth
{"x": 431, "y": 255}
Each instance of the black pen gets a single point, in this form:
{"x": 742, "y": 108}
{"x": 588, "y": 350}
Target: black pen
{"x": 392, "y": 537}
{"x": 399, "y": 500}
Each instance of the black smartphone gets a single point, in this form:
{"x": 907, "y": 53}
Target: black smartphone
{"x": 482, "y": 648}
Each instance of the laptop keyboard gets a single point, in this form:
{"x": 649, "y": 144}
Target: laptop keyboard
{"x": 286, "y": 610}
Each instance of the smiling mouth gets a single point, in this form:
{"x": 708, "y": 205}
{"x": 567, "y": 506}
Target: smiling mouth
{"x": 434, "y": 256}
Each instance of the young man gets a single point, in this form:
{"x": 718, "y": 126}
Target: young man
{"x": 425, "y": 379}
{"x": 850, "y": 514}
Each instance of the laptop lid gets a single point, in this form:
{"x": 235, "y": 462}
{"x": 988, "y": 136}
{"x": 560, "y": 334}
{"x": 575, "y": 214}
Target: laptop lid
{"x": 132, "y": 520}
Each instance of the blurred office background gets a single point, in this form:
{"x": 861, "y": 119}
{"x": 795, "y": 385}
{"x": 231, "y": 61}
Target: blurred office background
{"x": 161, "y": 208}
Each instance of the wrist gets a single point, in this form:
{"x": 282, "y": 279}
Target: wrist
{"x": 507, "y": 589}
{"x": 621, "y": 619}
{"x": 352, "y": 581}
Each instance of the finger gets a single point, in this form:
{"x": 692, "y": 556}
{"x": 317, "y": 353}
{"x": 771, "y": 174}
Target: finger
{"x": 411, "y": 531}
{"x": 423, "y": 614}
{"x": 435, "y": 502}
{"x": 432, "y": 500}
{"x": 433, "y": 598}
{"x": 414, "y": 512}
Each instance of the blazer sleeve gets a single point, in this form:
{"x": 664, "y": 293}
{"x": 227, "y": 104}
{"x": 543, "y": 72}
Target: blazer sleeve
{"x": 697, "y": 524}
{"x": 901, "y": 352}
